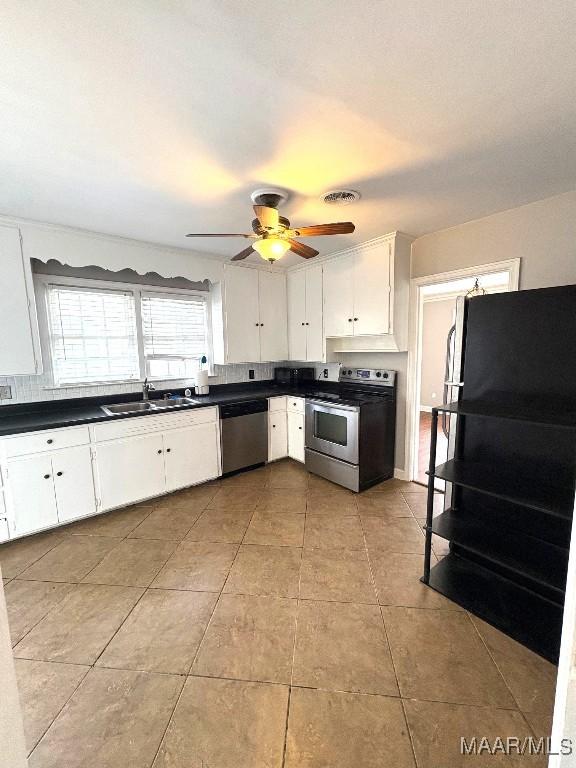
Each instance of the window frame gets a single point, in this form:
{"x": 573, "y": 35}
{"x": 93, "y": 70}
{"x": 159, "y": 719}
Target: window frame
{"x": 43, "y": 281}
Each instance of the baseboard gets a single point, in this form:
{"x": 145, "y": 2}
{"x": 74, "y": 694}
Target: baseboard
{"x": 400, "y": 474}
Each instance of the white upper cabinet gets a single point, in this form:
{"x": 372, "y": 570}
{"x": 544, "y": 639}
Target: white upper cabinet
{"x": 241, "y": 316}
{"x": 273, "y": 313}
{"x": 314, "y": 315}
{"x": 19, "y": 339}
{"x": 297, "y": 315}
{"x": 305, "y": 337}
{"x": 339, "y": 296}
{"x": 366, "y": 292}
{"x": 372, "y": 290}
{"x": 249, "y": 316}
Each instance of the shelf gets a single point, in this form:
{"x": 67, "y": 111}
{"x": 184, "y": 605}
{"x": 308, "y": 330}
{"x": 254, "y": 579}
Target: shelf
{"x": 485, "y": 410}
{"x": 493, "y": 481}
{"x": 528, "y": 558}
{"x": 527, "y": 617}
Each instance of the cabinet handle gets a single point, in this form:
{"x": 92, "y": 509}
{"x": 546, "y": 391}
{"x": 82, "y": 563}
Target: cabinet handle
{"x": 46, "y": 477}
{"x": 49, "y": 441}
{"x": 299, "y": 427}
{"x": 59, "y": 474}
{"x": 307, "y": 323}
{"x": 303, "y": 323}
{"x": 159, "y": 450}
{"x": 167, "y": 450}
{"x": 273, "y": 426}
{"x": 355, "y": 319}
{"x": 349, "y": 319}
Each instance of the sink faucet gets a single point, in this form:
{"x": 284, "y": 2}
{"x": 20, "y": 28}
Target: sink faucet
{"x": 146, "y": 388}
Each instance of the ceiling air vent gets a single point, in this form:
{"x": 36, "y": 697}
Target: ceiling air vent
{"x": 340, "y": 197}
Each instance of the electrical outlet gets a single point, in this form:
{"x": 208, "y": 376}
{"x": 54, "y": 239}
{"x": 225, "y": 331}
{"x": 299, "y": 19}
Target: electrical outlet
{"x": 6, "y": 392}
{"x": 325, "y": 373}
{"x": 250, "y": 373}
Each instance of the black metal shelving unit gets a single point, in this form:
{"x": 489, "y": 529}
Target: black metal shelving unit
{"x": 509, "y": 530}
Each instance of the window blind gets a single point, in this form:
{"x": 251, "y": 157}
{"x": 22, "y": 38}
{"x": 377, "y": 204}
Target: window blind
{"x": 174, "y": 334}
{"x": 93, "y": 335}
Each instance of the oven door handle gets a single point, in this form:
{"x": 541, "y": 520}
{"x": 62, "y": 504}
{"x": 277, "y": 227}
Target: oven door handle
{"x": 332, "y": 407}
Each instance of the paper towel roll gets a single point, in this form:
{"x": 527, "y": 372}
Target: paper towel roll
{"x": 201, "y": 383}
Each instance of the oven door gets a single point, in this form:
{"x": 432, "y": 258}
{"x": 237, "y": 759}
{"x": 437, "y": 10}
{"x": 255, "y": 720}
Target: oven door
{"x": 333, "y": 429}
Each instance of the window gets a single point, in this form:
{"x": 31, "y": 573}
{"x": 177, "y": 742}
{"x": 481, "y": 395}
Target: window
{"x": 100, "y": 332}
{"x": 174, "y": 334}
{"x": 93, "y": 335}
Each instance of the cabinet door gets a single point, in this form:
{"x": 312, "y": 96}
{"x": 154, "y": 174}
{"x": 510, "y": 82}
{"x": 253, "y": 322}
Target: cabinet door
{"x": 297, "y": 315}
{"x": 338, "y": 283}
{"x": 296, "y": 436}
{"x": 191, "y": 455}
{"x": 242, "y": 326}
{"x": 32, "y": 490}
{"x": 277, "y": 435}
{"x": 372, "y": 290}
{"x": 74, "y": 483}
{"x": 273, "y": 313}
{"x": 19, "y": 347}
{"x": 314, "y": 314}
{"x": 130, "y": 470}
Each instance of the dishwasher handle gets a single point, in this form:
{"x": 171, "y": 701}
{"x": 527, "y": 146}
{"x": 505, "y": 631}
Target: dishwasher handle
{"x": 232, "y": 410}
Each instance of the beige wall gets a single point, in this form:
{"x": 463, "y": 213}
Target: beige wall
{"x": 542, "y": 234}
{"x": 437, "y": 318}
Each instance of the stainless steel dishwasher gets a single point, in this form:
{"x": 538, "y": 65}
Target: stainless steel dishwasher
{"x": 244, "y": 434}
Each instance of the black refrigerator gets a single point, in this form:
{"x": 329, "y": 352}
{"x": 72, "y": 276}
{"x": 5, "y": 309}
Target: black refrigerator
{"x": 511, "y": 469}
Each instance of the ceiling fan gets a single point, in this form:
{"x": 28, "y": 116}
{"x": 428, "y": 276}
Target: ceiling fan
{"x": 273, "y": 235}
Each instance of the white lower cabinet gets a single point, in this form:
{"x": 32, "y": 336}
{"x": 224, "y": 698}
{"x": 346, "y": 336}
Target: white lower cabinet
{"x": 191, "y": 455}
{"x": 32, "y": 493}
{"x": 130, "y": 470}
{"x": 296, "y": 436}
{"x": 277, "y": 435}
{"x": 74, "y": 483}
{"x": 120, "y": 463}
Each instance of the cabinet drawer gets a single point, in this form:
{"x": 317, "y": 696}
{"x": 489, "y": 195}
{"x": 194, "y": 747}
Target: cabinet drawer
{"x": 141, "y": 425}
{"x": 48, "y": 440}
{"x": 295, "y": 404}
{"x": 277, "y": 403}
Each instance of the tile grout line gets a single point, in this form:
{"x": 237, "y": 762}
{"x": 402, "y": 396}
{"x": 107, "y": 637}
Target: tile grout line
{"x": 57, "y": 715}
{"x": 208, "y": 623}
{"x": 385, "y": 631}
{"x": 493, "y": 660}
{"x": 145, "y": 589}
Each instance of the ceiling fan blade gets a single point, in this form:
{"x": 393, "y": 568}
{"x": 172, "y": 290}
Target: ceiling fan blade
{"x": 268, "y": 217}
{"x": 302, "y": 250}
{"x": 338, "y": 228}
{"x": 243, "y": 254}
{"x": 220, "y": 234}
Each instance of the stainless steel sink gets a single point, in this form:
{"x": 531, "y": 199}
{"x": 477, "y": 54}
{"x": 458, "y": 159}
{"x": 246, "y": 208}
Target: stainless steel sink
{"x": 147, "y": 406}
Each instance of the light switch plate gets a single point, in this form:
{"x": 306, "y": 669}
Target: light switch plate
{"x": 5, "y": 392}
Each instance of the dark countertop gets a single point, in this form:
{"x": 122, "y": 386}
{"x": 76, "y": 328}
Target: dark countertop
{"x": 32, "y": 417}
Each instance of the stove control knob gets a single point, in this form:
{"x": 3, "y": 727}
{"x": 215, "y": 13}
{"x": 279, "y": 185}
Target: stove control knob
{"x": 385, "y": 375}
{"x": 349, "y": 373}
{"x": 378, "y": 374}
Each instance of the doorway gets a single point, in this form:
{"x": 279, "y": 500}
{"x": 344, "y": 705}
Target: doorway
{"x": 432, "y": 351}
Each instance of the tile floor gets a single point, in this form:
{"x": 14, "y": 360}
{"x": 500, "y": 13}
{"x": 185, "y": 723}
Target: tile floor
{"x": 264, "y": 621}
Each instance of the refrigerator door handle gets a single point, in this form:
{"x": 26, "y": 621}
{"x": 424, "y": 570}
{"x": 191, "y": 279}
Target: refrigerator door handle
{"x": 448, "y": 372}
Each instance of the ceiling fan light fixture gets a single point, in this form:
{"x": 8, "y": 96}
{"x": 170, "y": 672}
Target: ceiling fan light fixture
{"x": 271, "y": 248}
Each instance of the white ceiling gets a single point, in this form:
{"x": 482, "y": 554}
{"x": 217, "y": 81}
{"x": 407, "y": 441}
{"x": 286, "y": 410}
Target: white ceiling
{"x": 153, "y": 118}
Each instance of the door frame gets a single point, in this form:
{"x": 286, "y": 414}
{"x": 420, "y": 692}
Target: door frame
{"x": 413, "y": 388}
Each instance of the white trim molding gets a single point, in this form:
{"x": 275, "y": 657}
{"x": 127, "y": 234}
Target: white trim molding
{"x": 511, "y": 266}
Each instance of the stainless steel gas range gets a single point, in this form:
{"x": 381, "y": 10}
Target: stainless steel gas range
{"x": 350, "y": 433}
